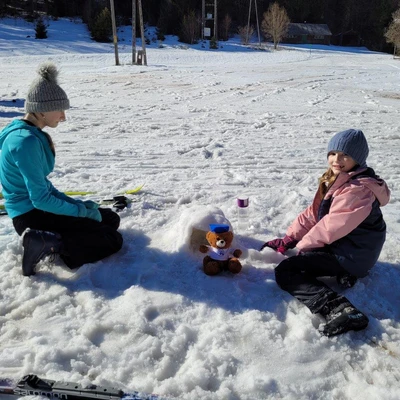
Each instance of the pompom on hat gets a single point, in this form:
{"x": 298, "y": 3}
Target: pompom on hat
{"x": 351, "y": 142}
{"x": 45, "y": 94}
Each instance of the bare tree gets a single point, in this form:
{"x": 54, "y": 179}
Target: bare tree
{"x": 275, "y": 23}
{"x": 245, "y": 33}
{"x": 393, "y": 32}
{"x": 225, "y": 27}
{"x": 190, "y": 31}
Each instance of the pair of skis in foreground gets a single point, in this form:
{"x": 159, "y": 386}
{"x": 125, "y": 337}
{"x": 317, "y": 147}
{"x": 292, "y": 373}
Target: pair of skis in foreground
{"x": 32, "y": 385}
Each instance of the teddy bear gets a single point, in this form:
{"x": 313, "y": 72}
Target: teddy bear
{"x": 220, "y": 257}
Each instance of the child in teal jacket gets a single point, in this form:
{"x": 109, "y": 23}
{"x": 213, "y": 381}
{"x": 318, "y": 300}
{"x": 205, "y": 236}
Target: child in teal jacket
{"x": 50, "y": 221}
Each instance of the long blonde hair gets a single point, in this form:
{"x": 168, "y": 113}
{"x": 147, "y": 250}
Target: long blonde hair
{"x": 325, "y": 181}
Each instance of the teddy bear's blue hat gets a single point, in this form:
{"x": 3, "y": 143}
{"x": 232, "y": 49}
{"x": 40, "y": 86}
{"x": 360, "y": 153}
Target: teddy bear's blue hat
{"x": 219, "y": 228}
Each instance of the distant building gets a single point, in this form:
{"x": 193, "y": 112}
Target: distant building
{"x": 308, "y": 33}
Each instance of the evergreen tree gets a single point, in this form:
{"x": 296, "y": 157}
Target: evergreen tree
{"x": 213, "y": 43}
{"x": 3, "y": 8}
{"x": 40, "y": 29}
{"x": 160, "y": 34}
{"x": 101, "y": 29}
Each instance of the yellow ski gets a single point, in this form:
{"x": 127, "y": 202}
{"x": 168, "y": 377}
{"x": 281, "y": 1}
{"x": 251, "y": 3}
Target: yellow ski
{"x": 78, "y": 193}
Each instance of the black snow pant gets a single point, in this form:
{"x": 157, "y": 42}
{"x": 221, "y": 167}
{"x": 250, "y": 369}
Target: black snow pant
{"x": 84, "y": 240}
{"x": 298, "y": 276}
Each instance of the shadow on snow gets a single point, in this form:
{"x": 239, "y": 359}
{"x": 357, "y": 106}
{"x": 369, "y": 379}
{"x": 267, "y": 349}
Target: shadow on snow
{"x": 138, "y": 264}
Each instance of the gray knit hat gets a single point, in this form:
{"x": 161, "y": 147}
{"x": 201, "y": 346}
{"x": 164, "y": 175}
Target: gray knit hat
{"x": 351, "y": 142}
{"x": 44, "y": 93}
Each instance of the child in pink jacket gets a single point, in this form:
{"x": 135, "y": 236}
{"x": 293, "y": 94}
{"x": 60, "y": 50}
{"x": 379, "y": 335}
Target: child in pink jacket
{"x": 340, "y": 234}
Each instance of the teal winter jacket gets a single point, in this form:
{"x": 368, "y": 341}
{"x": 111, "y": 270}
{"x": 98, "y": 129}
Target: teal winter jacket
{"x": 26, "y": 160}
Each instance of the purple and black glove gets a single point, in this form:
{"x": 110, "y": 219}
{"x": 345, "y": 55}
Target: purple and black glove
{"x": 281, "y": 245}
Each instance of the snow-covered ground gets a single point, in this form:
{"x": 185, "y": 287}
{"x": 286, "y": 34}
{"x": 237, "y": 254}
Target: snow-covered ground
{"x": 199, "y": 127}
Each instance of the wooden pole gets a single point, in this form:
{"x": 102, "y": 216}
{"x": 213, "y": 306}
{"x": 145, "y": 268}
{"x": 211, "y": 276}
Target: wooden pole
{"x": 203, "y": 16}
{"x": 142, "y": 32}
{"x": 258, "y": 24}
{"x": 114, "y": 29}
{"x": 215, "y": 21}
{"x": 133, "y": 31}
{"x": 248, "y": 23}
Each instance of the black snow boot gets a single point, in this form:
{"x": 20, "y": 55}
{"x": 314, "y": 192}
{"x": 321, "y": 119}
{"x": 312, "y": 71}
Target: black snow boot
{"x": 37, "y": 245}
{"x": 341, "y": 316}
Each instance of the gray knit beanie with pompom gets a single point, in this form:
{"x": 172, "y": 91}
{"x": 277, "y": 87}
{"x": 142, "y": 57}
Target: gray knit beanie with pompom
{"x": 44, "y": 94}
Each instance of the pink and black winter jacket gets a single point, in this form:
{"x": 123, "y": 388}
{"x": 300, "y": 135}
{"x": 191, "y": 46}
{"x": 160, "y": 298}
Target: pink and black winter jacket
{"x": 347, "y": 222}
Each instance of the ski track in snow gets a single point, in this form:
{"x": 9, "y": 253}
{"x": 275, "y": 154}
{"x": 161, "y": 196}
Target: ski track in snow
{"x": 199, "y": 128}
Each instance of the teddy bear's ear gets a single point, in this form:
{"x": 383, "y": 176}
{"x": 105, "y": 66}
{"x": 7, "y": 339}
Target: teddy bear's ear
{"x": 209, "y": 237}
{"x": 228, "y": 236}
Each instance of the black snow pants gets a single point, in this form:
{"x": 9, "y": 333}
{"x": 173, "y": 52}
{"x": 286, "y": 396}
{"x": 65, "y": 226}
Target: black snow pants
{"x": 298, "y": 276}
{"x": 84, "y": 240}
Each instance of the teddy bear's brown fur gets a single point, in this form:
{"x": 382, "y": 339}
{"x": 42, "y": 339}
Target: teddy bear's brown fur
{"x": 221, "y": 257}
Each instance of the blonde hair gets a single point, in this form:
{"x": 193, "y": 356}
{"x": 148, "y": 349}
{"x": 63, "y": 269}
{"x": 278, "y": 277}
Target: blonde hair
{"x": 325, "y": 182}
